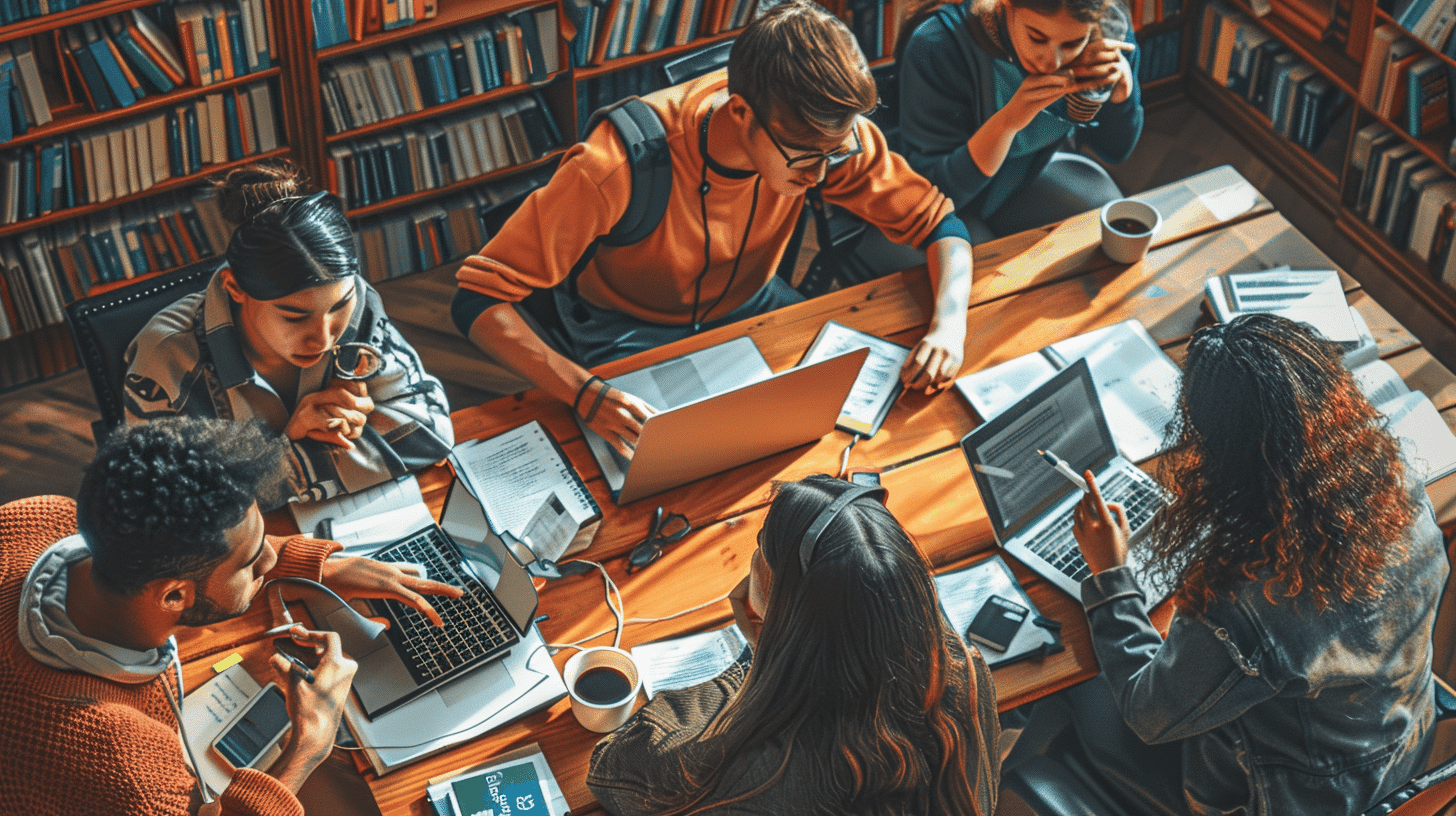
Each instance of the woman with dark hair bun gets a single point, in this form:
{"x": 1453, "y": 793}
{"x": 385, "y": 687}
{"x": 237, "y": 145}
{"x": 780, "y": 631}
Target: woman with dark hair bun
{"x": 857, "y": 697}
{"x": 992, "y": 90}
{"x": 1307, "y": 565}
{"x": 289, "y": 333}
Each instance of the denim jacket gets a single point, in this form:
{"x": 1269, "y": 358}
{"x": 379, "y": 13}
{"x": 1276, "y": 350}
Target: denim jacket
{"x": 1278, "y": 708}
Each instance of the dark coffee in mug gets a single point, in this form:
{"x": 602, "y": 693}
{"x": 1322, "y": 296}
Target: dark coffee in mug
{"x": 603, "y": 685}
{"x": 1128, "y": 226}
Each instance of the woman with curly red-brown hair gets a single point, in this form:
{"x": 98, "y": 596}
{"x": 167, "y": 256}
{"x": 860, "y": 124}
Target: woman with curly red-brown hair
{"x": 1296, "y": 675}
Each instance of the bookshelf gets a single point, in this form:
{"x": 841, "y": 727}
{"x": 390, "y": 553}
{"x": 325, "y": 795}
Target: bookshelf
{"x": 1339, "y": 40}
{"x": 347, "y": 100}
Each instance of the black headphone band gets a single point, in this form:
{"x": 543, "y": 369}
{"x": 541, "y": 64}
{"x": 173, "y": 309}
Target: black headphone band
{"x": 827, "y": 515}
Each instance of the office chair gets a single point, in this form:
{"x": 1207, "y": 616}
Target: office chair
{"x": 104, "y": 325}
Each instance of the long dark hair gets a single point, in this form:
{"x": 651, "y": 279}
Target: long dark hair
{"x": 856, "y": 673}
{"x": 285, "y": 241}
{"x": 1281, "y": 471}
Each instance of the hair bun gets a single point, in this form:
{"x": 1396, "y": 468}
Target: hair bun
{"x": 245, "y": 191}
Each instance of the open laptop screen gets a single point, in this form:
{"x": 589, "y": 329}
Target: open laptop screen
{"x": 488, "y": 556}
{"x": 1062, "y": 416}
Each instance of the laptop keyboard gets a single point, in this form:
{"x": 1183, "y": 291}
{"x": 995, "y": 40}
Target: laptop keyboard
{"x": 475, "y": 625}
{"x": 1056, "y": 544}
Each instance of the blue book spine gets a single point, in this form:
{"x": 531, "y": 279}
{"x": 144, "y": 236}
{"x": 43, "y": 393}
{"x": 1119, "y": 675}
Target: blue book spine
{"x": 7, "y": 121}
{"x": 46, "y": 175}
{"x": 485, "y": 53}
{"x": 174, "y": 145}
{"x": 134, "y": 250}
{"x": 233, "y": 127}
{"x": 110, "y": 71}
{"x": 101, "y": 98}
{"x": 235, "y": 40}
{"x": 93, "y": 253}
{"x": 67, "y": 172}
{"x": 444, "y": 76}
{"x": 29, "y": 186}
{"x": 214, "y": 49}
{"x": 160, "y": 82}
{"x": 194, "y": 143}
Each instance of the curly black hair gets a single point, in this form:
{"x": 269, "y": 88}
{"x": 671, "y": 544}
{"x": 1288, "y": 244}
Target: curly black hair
{"x": 158, "y": 499}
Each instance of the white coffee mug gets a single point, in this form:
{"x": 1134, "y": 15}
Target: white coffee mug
{"x": 603, "y": 683}
{"x": 1128, "y": 227}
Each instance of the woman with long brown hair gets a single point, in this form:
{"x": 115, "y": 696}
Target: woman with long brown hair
{"x": 856, "y": 698}
{"x": 1296, "y": 674}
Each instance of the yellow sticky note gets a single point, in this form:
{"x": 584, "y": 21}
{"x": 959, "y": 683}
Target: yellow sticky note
{"x": 227, "y": 662}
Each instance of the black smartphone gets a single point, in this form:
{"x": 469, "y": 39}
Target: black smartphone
{"x": 997, "y": 623}
{"x": 865, "y": 477}
{"x": 251, "y": 741}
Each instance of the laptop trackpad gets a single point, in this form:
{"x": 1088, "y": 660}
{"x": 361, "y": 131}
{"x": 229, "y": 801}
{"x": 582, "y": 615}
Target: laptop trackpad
{"x": 679, "y": 382}
{"x": 382, "y": 678}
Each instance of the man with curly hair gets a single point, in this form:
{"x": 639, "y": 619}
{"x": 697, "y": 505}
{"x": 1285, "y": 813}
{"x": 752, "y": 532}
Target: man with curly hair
{"x": 170, "y": 537}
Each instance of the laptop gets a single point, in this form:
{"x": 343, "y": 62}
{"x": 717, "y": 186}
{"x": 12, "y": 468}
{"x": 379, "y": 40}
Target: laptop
{"x": 1030, "y": 503}
{"x": 413, "y": 656}
{"x": 719, "y": 408}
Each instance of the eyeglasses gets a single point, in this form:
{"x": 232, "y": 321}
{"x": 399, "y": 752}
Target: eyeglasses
{"x": 666, "y": 529}
{"x": 834, "y": 158}
{"x": 357, "y": 361}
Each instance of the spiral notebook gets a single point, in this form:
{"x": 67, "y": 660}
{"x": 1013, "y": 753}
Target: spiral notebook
{"x": 530, "y": 489}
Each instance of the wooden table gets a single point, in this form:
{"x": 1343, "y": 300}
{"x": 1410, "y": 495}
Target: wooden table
{"x": 1030, "y": 290}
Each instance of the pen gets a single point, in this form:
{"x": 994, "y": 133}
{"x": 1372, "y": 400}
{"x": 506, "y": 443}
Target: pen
{"x": 298, "y": 668}
{"x": 1064, "y": 469}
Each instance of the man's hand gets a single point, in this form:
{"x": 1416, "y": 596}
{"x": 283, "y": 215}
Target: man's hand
{"x": 615, "y": 415}
{"x": 936, "y": 360}
{"x": 314, "y": 708}
{"x": 353, "y": 577}
{"x": 336, "y": 414}
{"x": 1101, "y": 529}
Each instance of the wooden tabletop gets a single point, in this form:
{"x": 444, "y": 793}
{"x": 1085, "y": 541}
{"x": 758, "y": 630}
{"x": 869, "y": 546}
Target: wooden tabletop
{"x": 1030, "y": 290}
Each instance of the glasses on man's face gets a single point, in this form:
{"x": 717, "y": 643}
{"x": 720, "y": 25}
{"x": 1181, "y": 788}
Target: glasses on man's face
{"x": 811, "y": 160}
{"x": 666, "y": 529}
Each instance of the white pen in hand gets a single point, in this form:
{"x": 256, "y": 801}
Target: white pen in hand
{"x": 1065, "y": 469}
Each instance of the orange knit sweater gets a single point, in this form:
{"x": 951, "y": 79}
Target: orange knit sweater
{"x": 72, "y": 744}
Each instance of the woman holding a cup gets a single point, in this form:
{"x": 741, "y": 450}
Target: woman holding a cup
{"x": 856, "y": 698}
{"x": 991, "y": 91}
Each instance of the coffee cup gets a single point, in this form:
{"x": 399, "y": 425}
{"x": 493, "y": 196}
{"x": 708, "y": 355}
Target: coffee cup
{"x": 603, "y": 683}
{"x": 1128, "y": 227}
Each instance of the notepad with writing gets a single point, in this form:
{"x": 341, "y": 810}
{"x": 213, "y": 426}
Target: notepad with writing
{"x": 1315, "y": 297}
{"x": 530, "y": 489}
{"x": 878, "y": 383}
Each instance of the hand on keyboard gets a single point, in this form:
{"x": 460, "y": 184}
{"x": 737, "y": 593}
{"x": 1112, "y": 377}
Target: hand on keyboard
{"x": 1101, "y": 529}
{"x": 366, "y": 578}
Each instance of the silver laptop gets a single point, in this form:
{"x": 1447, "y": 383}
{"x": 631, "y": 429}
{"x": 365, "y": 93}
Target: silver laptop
{"x": 1030, "y": 503}
{"x": 413, "y": 656}
{"x": 719, "y": 408}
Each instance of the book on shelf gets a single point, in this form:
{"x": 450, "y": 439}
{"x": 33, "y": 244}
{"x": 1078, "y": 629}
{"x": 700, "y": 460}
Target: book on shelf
{"x": 519, "y": 781}
{"x": 1315, "y": 297}
{"x": 687, "y": 661}
{"x": 514, "y": 474}
{"x": 878, "y": 384}
{"x": 970, "y": 598}
{"x": 1427, "y": 96}
{"x": 1136, "y": 381}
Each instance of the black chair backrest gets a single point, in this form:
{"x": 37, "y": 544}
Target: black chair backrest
{"x": 698, "y": 62}
{"x": 104, "y": 325}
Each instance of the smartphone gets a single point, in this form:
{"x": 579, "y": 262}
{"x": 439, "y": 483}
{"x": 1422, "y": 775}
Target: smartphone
{"x": 997, "y": 623}
{"x": 252, "y": 739}
{"x": 867, "y": 477}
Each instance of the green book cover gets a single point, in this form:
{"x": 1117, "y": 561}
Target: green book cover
{"x": 506, "y": 791}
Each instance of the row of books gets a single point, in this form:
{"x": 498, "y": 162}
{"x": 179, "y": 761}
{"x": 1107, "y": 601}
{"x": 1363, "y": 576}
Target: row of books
{"x": 1429, "y": 20}
{"x": 600, "y": 90}
{"x": 23, "y": 101}
{"x": 1147, "y": 12}
{"x": 1300, "y": 102}
{"x": 438, "y": 232}
{"x": 99, "y": 166}
{"x": 1160, "y": 56}
{"x": 1402, "y": 192}
{"x": 507, "y": 50}
{"x": 618, "y": 28}
{"x": 221, "y": 40}
{"x": 46, "y": 269}
{"x": 443, "y": 152}
{"x": 1406, "y": 83}
{"x": 876, "y": 25}
{"x": 13, "y": 11}
{"x": 339, "y": 21}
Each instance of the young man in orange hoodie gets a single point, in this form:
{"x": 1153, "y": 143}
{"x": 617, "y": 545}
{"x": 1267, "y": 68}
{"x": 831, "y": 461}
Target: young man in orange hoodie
{"x": 745, "y": 147}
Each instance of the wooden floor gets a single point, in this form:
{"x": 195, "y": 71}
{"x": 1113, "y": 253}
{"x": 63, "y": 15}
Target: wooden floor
{"x": 45, "y": 433}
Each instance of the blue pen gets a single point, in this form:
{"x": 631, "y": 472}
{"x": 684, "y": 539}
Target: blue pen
{"x": 1065, "y": 469}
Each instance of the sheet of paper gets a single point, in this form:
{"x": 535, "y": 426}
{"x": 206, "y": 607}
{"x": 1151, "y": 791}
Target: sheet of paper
{"x": 365, "y": 521}
{"x": 512, "y": 473}
{"x": 877, "y": 378}
{"x": 992, "y": 390}
{"x": 206, "y": 713}
{"x": 1380, "y": 382}
{"x": 963, "y": 593}
{"x": 687, "y": 661}
{"x": 1424, "y": 437}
